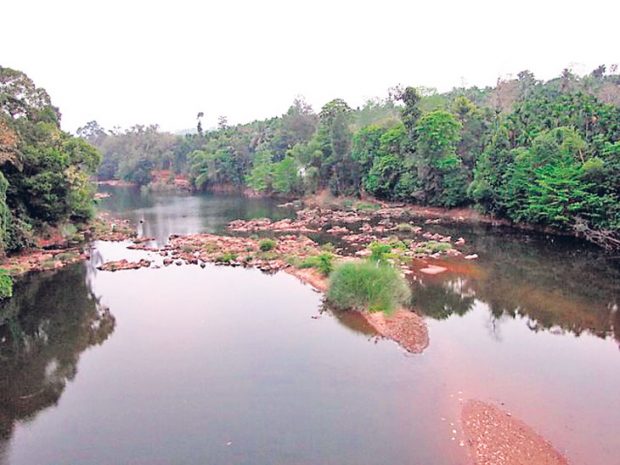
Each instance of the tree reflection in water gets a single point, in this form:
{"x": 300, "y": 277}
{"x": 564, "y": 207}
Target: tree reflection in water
{"x": 559, "y": 286}
{"x": 44, "y": 329}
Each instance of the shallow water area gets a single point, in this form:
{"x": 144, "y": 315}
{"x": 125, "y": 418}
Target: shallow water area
{"x": 183, "y": 365}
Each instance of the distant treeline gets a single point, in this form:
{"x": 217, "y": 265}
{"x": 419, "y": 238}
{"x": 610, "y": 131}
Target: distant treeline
{"x": 44, "y": 172}
{"x": 542, "y": 153}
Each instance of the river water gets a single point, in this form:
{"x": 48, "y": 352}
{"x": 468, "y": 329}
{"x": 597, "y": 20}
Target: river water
{"x": 183, "y": 365}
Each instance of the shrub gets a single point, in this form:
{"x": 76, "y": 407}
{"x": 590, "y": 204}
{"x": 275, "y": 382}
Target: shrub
{"x": 6, "y": 285}
{"x": 379, "y": 252}
{"x": 367, "y": 286}
{"x": 404, "y": 228}
{"x": 323, "y": 262}
{"x": 266, "y": 245}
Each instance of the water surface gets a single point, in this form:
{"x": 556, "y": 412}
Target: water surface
{"x": 182, "y": 365}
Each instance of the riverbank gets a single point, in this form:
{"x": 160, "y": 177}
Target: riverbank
{"x": 55, "y": 250}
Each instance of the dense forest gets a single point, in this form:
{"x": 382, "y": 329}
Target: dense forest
{"x": 541, "y": 153}
{"x": 45, "y": 173}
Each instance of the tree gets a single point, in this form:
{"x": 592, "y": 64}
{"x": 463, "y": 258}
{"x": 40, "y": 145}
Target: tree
{"x": 222, "y": 122}
{"x": 199, "y": 123}
{"x": 92, "y": 132}
{"x": 21, "y": 98}
{"x": 262, "y": 174}
{"x": 440, "y": 172}
{"x": 45, "y": 171}
{"x": 286, "y": 176}
{"x": 490, "y": 172}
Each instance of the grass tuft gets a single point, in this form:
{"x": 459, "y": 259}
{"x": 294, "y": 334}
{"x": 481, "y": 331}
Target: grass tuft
{"x": 370, "y": 286}
{"x": 323, "y": 262}
{"x": 266, "y": 245}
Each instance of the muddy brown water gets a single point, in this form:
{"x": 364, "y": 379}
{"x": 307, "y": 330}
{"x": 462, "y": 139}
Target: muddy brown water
{"x": 183, "y": 365}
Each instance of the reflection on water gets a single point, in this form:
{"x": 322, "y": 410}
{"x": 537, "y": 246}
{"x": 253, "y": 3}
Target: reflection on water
{"x": 222, "y": 365}
{"x": 159, "y": 214}
{"x": 44, "y": 329}
{"x": 561, "y": 286}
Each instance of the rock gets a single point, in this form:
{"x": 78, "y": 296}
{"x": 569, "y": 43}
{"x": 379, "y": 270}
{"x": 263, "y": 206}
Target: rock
{"x": 433, "y": 269}
{"x": 168, "y": 261}
{"x": 460, "y": 241}
{"x": 124, "y": 265}
{"x": 338, "y": 230}
{"x": 471, "y": 257}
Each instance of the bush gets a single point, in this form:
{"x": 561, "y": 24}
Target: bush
{"x": 323, "y": 262}
{"x": 380, "y": 252}
{"x": 6, "y": 285}
{"x": 367, "y": 285}
{"x": 266, "y": 245}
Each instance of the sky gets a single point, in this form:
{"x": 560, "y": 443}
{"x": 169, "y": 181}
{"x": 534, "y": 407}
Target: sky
{"x": 128, "y": 62}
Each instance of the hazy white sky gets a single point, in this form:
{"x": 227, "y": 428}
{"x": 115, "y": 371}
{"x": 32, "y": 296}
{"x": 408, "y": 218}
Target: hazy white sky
{"x": 126, "y": 62}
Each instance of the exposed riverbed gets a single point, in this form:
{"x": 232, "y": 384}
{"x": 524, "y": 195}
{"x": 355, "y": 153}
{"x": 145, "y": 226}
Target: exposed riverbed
{"x": 183, "y": 365}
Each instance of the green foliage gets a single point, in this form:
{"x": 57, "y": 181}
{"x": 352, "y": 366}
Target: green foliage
{"x": 480, "y": 146}
{"x": 432, "y": 247}
{"x": 226, "y": 257}
{"x": 132, "y": 154}
{"x": 285, "y": 176}
{"x": 265, "y": 245}
{"x": 261, "y": 176}
{"x": 367, "y": 285}
{"x": 440, "y": 171}
{"x": 490, "y": 172}
{"x": 323, "y": 262}
{"x": 6, "y": 285}
{"x": 46, "y": 172}
{"x": 366, "y": 206}
{"x": 379, "y": 252}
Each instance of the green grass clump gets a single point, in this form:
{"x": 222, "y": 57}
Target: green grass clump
{"x": 6, "y": 285}
{"x": 323, "y": 262}
{"x": 432, "y": 247}
{"x": 270, "y": 255}
{"x": 294, "y": 261}
{"x": 366, "y": 206}
{"x": 226, "y": 257}
{"x": 348, "y": 204}
{"x": 380, "y": 252}
{"x": 404, "y": 228}
{"x": 367, "y": 285}
{"x": 266, "y": 245}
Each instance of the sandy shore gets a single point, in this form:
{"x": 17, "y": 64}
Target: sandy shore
{"x": 494, "y": 437}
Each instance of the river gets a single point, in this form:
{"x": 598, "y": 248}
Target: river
{"x": 183, "y": 365}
